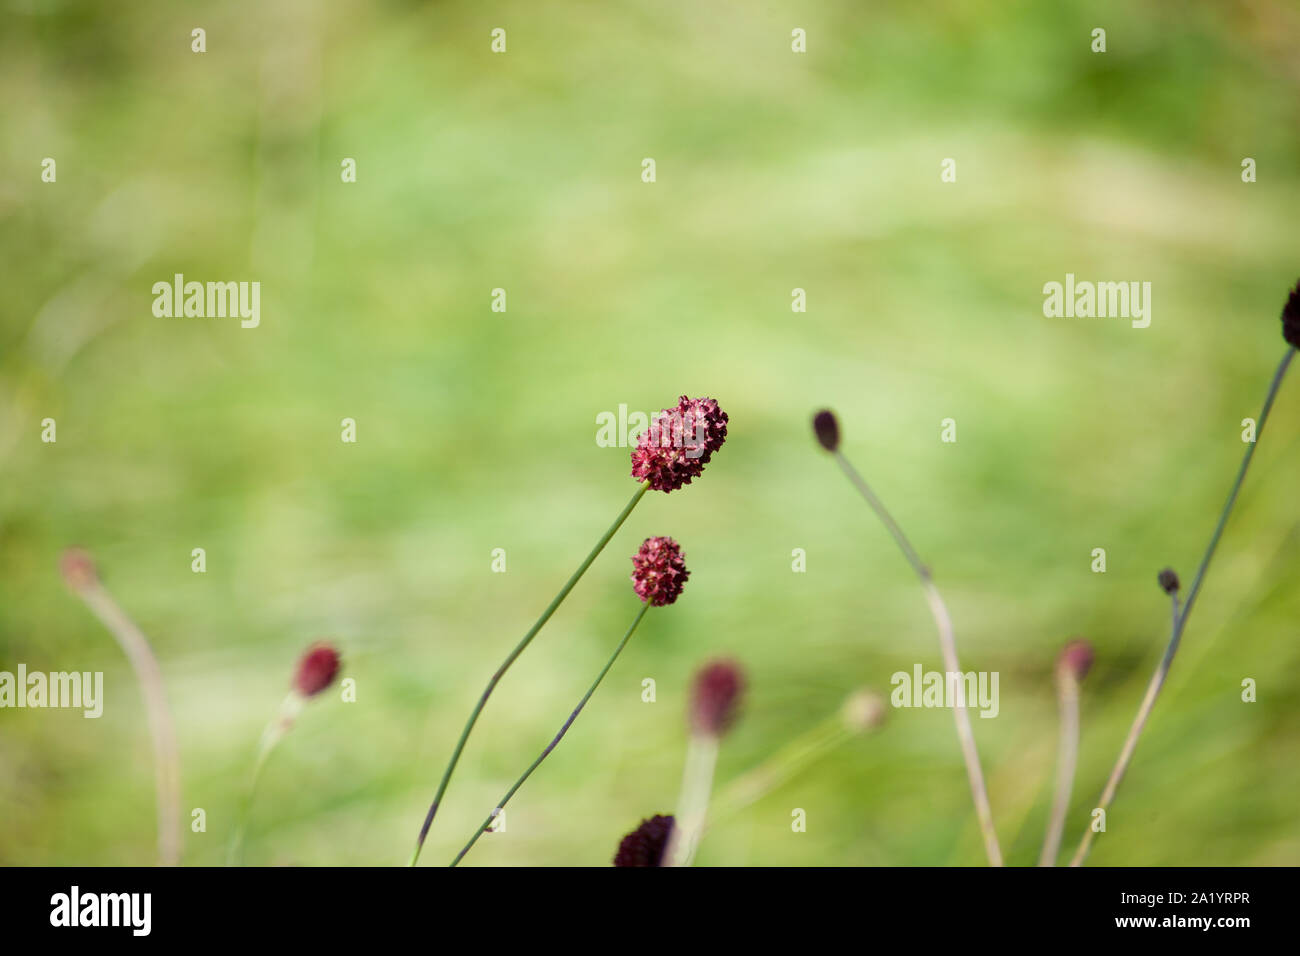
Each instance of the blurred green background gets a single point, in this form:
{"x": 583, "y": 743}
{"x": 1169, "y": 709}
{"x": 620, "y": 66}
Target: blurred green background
{"x": 476, "y": 429}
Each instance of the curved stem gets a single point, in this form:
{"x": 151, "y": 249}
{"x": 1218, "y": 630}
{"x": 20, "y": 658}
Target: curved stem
{"x": 1067, "y": 759}
{"x": 948, "y": 646}
{"x": 167, "y": 773}
{"x": 1180, "y": 619}
{"x": 558, "y": 737}
{"x": 510, "y": 659}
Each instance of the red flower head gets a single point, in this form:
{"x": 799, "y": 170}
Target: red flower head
{"x": 659, "y": 571}
{"x": 645, "y": 845}
{"x": 1076, "y": 659}
{"x": 716, "y": 697}
{"x": 679, "y": 443}
{"x": 78, "y": 569}
{"x": 317, "y": 670}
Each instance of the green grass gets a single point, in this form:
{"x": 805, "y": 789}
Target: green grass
{"x": 476, "y": 429}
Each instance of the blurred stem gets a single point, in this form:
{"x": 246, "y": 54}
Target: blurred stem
{"x": 759, "y": 781}
{"x": 948, "y": 645}
{"x": 1180, "y": 619}
{"x": 510, "y": 659}
{"x": 167, "y": 772}
{"x": 271, "y": 736}
{"x": 558, "y": 737}
{"x": 1067, "y": 760}
{"x": 693, "y": 804}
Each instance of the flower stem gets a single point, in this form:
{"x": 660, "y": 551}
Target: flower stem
{"x": 783, "y": 765}
{"x": 167, "y": 773}
{"x": 1067, "y": 760}
{"x": 1180, "y": 619}
{"x": 271, "y": 736}
{"x": 555, "y": 741}
{"x": 510, "y": 659}
{"x": 948, "y": 645}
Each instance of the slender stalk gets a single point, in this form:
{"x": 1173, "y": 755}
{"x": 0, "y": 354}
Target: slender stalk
{"x": 555, "y": 741}
{"x": 271, "y": 736}
{"x": 1180, "y": 619}
{"x": 1067, "y": 760}
{"x": 167, "y": 773}
{"x": 693, "y": 804}
{"x": 948, "y": 645}
{"x": 510, "y": 659}
{"x": 759, "y": 781}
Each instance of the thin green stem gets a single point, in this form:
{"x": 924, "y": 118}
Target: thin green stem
{"x": 555, "y": 741}
{"x": 948, "y": 646}
{"x": 271, "y": 736}
{"x": 510, "y": 659}
{"x": 1180, "y": 619}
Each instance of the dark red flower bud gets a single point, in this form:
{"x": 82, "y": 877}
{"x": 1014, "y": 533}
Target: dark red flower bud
{"x": 645, "y": 845}
{"x": 679, "y": 443}
{"x": 715, "y": 697}
{"x": 827, "y": 429}
{"x": 1291, "y": 317}
{"x": 78, "y": 569}
{"x": 316, "y": 670}
{"x": 1168, "y": 580}
{"x": 1076, "y": 659}
{"x": 659, "y": 571}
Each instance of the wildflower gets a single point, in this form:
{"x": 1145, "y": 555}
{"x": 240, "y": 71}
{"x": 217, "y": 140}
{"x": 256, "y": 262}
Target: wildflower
{"x": 659, "y": 571}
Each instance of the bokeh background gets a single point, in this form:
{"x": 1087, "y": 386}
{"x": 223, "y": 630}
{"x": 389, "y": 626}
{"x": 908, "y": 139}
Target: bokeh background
{"x": 476, "y": 430}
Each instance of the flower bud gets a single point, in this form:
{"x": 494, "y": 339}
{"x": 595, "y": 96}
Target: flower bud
{"x": 316, "y": 670}
{"x": 1076, "y": 659}
{"x": 715, "y": 697}
{"x": 1291, "y": 317}
{"x": 78, "y": 569}
{"x": 1168, "y": 581}
{"x": 827, "y": 429}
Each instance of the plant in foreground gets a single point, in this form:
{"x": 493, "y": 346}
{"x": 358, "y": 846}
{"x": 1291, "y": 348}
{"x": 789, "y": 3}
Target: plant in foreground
{"x": 645, "y": 846}
{"x": 78, "y": 570}
{"x": 1170, "y": 584}
{"x": 827, "y": 430}
{"x": 1071, "y": 667}
{"x": 316, "y": 670}
{"x": 715, "y": 700}
{"x": 658, "y": 576}
{"x": 669, "y": 454}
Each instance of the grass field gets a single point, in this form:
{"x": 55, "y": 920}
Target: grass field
{"x": 476, "y": 429}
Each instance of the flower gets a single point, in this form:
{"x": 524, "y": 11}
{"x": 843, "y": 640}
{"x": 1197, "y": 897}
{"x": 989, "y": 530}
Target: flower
{"x": 679, "y": 443}
{"x": 316, "y": 670}
{"x": 827, "y": 429}
{"x": 715, "y": 697}
{"x": 659, "y": 571}
{"x": 1076, "y": 659}
{"x": 1291, "y": 317}
{"x": 862, "y": 711}
{"x": 1169, "y": 582}
{"x": 78, "y": 569}
{"x": 645, "y": 845}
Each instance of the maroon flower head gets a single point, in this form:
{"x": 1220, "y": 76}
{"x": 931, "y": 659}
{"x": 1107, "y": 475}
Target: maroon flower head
{"x": 317, "y": 670}
{"x": 1076, "y": 659}
{"x": 1168, "y": 580}
{"x": 659, "y": 571}
{"x": 1291, "y": 317}
{"x": 827, "y": 429}
{"x": 645, "y": 845}
{"x": 78, "y": 569}
{"x": 715, "y": 697}
{"x": 679, "y": 443}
